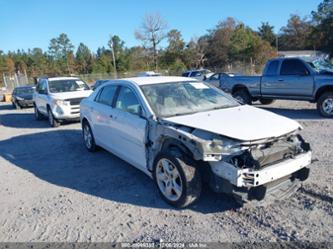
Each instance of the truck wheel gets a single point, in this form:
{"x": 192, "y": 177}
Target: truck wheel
{"x": 177, "y": 178}
{"x": 38, "y": 115}
{"x": 325, "y": 104}
{"x": 243, "y": 97}
{"x": 88, "y": 137}
{"x": 266, "y": 101}
{"x": 52, "y": 121}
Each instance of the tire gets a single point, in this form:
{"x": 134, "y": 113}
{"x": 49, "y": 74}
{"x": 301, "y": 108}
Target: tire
{"x": 88, "y": 137}
{"x": 38, "y": 115}
{"x": 52, "y": 121}
{"x": 266, "y": 101}
{"x": 173, "y": 169}
{"x": 17, "y": 105}
{"x": 243, "y": 97}
{"x": 325, "y": 104}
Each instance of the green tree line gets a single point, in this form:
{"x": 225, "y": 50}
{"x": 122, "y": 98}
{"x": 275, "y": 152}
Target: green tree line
{"x": 229, "y": 42}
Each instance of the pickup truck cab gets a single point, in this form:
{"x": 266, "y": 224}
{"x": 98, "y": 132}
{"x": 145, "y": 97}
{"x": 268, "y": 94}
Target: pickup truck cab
{"x": 286, "y": 78}
{"x": 59, "y": 99}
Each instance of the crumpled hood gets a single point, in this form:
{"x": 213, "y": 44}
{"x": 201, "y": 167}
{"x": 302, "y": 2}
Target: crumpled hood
{"x": 244, "y": 123}
{"x": 71, "y": 95}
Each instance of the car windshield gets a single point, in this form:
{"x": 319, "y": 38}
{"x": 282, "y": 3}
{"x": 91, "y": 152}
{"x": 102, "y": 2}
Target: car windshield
{"x": 71, "y": 85}
{"x": 321, "y": 65}
{"x": 25, "y": 90}
{"x": 180, "y": 98}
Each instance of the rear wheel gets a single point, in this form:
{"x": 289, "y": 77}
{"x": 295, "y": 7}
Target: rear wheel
{"x": 52, "y": 121}
{"x": 177, "y": 178}
{"x": 325, "y": 104}
{"x": 243, "y": 97}
{"x": 88, "y": 137}
{"x": 266, "y": 101}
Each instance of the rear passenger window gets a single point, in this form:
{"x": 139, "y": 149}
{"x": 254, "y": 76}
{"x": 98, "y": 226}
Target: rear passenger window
{"x": 106, "y": 94}
{"x": 272, "y": 68}
{"x": 293, "y": 67}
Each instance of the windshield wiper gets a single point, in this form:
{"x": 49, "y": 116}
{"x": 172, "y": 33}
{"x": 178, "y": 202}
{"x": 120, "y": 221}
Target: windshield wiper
{"x": 181, "y": 114}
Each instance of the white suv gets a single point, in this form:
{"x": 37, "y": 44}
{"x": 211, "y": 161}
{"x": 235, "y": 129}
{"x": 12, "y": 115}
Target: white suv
{"x": 59, "y": 99}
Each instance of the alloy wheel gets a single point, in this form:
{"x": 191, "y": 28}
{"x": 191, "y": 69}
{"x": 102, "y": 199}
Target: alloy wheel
{"x": 87, "y": 136}
{"x": 169, "y": 180}
{"x": 327, "y": 106}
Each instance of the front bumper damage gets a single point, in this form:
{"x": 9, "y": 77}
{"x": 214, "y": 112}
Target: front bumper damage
{"x": 246, "y": 169}
{"x": 253, "y": 178}
{"x": 277, "y": 173}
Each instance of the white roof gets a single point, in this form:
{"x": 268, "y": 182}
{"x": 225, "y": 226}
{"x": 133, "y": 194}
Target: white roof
{"x": 62, "y": 78}
{"x": 156, "y": 80}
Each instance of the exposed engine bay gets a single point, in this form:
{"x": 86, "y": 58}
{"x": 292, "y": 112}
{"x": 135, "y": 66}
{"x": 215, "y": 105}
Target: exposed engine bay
{"x": 245, "y": 165}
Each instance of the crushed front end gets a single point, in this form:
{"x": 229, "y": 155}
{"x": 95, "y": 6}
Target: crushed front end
{"x": 262, "y": 167}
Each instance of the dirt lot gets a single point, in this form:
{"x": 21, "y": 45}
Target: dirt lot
{"x": 52, "y": 189}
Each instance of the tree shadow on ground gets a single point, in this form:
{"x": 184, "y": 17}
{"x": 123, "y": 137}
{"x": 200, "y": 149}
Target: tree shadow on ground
{"x": 59, "y": 157}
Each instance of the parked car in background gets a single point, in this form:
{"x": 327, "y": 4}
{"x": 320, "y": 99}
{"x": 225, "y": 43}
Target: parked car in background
{"x": 22, "y": 96}
{"x": 197, "y": 74}
{"x": 216, "y": 78}
{"x": 148, "y": 74}
{"x": 59, "y": 99}
{"x": 98, "y": 83}
{"x": 286, "y": 78}
{"x": 185, "y": 133}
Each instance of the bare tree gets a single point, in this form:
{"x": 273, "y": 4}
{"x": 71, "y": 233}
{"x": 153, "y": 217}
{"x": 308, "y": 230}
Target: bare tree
{"x": 152, "y": 32}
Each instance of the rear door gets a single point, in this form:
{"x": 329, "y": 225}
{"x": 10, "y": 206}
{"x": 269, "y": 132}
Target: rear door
{"x": 294, "y": 80}
{"x": 102, "y": 114}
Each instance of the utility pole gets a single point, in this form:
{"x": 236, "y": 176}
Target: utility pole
{"x": 277, "y": 43}
{"x": 113, "y": 58}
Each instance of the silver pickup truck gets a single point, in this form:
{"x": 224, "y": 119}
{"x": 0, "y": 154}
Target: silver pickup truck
{"x": 286, "y": 78}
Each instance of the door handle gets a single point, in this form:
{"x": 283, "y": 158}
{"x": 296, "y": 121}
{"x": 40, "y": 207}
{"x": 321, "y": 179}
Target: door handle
{"x": 280, "y": 80}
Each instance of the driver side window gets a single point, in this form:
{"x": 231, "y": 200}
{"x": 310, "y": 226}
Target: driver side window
{"x": 128, "y": 102}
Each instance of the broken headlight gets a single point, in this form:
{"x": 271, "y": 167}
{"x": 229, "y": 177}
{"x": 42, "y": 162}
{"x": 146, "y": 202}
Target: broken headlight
{"x": 230, "y": 147}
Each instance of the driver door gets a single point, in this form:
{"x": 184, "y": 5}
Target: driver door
{"x": 41, "y": 97}
{"x": 129, "y": 128}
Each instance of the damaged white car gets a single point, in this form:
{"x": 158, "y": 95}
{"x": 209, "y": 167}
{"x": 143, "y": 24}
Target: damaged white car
{"x": 185, "y": 133}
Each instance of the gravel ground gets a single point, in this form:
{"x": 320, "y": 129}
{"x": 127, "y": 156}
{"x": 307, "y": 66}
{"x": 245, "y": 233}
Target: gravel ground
{"x": 52, "y": 189}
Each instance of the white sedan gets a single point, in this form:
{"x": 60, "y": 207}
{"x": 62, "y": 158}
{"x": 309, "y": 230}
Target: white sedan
{"x": 185, "y": 133}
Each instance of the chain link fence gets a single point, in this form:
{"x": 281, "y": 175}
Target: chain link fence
{"x": 11, "y": 81}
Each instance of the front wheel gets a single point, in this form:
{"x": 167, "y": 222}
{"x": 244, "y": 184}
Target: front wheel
{"x": 325, "y": 104}
{"x": 243, "y": 97}
{"x": 52, "y": 121}
{"x": 177, "y": 178}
